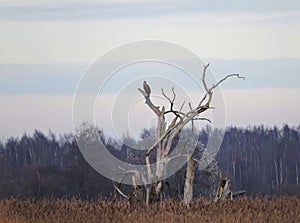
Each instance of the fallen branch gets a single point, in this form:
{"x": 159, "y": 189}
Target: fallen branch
{"x": 121, "y": 193}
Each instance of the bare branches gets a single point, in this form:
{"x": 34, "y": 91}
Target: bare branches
{"x": 160, "y": 139}
{"x": 176, "y": 117}
{"x": 209, "y": 91}
{"x": 190, "y": 106}
{"x": 202, "y": 100}
{"x": 164, "y": 137}
{"x": 203, "y": 77}
{"x": 149, "y": 102}
{"x": 193, "y": 113}
{"x": 176, "y": 113}
{"x": 173, "y": 99}
{"x": 202, "y": 119}
{"x": 121, "y": 193}
{"x": 117, "y": 188}
{"x": 223, "y": 79}
{"x": 149, "y": 171}
{"x": 172, "y": 126}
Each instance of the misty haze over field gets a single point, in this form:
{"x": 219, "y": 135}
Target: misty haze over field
{"x": 46, "y": 46}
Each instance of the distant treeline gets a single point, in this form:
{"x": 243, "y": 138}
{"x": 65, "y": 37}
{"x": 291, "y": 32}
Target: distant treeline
{"x": 259, "y": 160}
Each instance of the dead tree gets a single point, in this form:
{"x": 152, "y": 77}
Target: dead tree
{"x": 167, "y": 132}
{"x": 224, "y": 190}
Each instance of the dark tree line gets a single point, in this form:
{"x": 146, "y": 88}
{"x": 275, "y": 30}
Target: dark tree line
{"x": 260, "y": 160}
{"x": 40, "y": 165}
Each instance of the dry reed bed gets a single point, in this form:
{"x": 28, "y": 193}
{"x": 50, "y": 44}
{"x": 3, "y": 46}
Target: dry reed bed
{"x": 277, "y": 209}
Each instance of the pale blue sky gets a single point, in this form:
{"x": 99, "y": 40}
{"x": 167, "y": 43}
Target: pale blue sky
{"x": 59, "y": 79}
{"x": 47, "y": 45}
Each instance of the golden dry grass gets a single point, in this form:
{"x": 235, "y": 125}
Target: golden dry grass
{"x": 278, "y": 209}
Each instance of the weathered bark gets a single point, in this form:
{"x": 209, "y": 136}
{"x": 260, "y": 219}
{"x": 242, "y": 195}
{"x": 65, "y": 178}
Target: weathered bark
{"x": 165, "y": 135}
{"x": 189, "y": 181}
{"x": 224, "y": 191}
{"x": 238, "y": 193}
{"x": 137, "y": 197}
{"x": 160, "y": 155}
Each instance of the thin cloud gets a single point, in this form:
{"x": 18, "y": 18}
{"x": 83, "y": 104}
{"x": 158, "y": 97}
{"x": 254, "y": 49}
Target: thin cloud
{"x": 55, "y": 79}
{"x": 92, "y": 9}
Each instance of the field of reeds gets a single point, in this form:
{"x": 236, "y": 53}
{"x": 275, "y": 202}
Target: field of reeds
{"x": 277, "y": 209}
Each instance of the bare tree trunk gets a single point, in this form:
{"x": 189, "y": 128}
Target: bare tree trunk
{"x": 167, "y": 132}
{"x": 148, "y": 191}
{"x": 297, "y": 174}
{"x": 281, "y": 171}
{"x": 189, "y": 181}
{"x": 234, "y": 166}
{"x": 276, "y": 172}
{"x": 160, "y": 156}
{"x": 224, "y": 191}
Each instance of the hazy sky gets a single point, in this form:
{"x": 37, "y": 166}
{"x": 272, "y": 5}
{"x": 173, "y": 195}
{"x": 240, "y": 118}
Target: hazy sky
{"x": 46, "y": 45}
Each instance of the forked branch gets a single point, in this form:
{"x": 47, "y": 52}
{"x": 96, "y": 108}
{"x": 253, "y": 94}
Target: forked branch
{"x": 176, "y": 113}
{"x": 226, "y": 77}
{"x": 193, "y": 113}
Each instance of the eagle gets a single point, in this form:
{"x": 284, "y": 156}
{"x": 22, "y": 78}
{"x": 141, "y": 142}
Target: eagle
{"x": 147, "y": 88}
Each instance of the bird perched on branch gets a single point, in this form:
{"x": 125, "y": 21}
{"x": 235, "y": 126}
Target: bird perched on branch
{"x": 147, "y": 88}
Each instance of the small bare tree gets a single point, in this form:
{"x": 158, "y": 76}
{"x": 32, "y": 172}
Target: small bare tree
{"x": 166, "y": 133}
